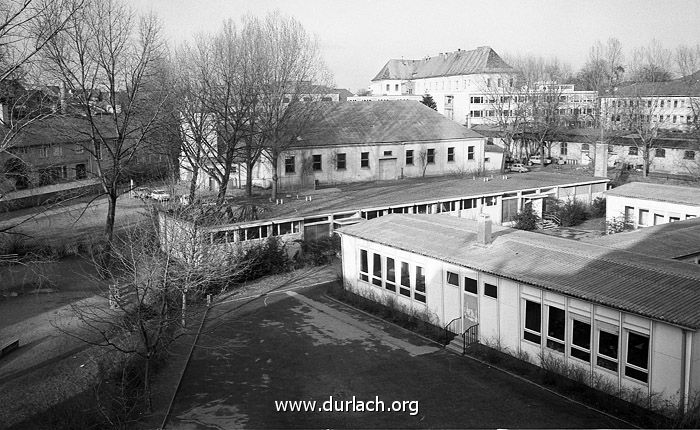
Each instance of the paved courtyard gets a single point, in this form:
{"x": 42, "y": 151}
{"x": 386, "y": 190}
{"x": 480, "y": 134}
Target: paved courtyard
{"x": 299, "y": 345}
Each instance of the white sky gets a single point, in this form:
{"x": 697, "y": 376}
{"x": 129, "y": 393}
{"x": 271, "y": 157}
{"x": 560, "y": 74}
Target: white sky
{"x": 358, "y": 36}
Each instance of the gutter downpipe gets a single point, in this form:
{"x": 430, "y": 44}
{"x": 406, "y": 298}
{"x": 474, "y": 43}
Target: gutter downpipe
{"x": 687, "y": 355}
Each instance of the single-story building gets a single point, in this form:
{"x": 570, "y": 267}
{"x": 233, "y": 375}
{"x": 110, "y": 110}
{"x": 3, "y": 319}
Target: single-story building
{"x": 644, "y": 204}
{"x": 622, "y": 317}
{"x": 358, "y": 141}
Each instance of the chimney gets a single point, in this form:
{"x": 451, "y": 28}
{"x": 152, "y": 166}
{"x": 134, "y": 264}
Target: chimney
{"x": 483, "y": 233}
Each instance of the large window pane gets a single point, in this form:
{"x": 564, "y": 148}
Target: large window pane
{"x": 556, "y": 329}
{"x": 363, "y": 265}
{"x": 638, "y": 350}
{"x": 452, "y": 279}
{"x": 581, "y": 341}
{"x": 533, "y": 318}
{"x": 471, "y": 286}
{"x": 377, "y": 269}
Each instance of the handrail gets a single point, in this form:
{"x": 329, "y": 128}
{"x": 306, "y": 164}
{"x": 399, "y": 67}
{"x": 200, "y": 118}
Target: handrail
{"x": 552, "y": 217}
{"x": 447, "y": 329}
{"x": 472, "y": 334}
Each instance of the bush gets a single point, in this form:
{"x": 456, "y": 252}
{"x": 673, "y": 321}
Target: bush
{"x": 526, "y": 219}
{"x": 268, "y": 258}
{"x": 598, "y": 207}
{"x": 317, "y": 252}
{"x": 573, "y": 212}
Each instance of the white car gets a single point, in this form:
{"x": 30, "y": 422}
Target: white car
{"x": 519, "y": 167}
{"x": 536, "y": 159}
{"x": 160, "y": 195}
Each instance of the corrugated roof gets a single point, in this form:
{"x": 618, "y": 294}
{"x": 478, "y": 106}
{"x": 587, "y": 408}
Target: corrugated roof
{"x": 685, "y": 86}
{"x": 479, "y": 60}
{"x": 665, "y": 290}
{"x": 671, "y": 240}
{"x": 381, "y": 121}
{"x": 658, "y": 192}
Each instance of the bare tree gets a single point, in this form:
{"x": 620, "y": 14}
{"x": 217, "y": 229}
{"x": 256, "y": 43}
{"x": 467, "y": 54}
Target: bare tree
{"x": 651, "y": 63}
{"x": 108, "y": 50}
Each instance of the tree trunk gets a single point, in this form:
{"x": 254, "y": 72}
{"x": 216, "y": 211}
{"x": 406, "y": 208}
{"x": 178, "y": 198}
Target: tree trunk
{"x": 147, "y": 385}
{"x": 248, "y": 169}
{"x": 275, "y": 178}
{"x": 193, "y": 183}
{"x": 111, "y": 211}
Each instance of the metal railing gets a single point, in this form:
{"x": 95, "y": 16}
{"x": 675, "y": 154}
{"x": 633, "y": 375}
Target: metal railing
{"x": 452, "y": 328}
{"x": 551, "y": 217}
{"x": 470, "y": 336}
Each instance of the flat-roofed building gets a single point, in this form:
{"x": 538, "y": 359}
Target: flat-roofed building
{"x": 643, "y": 204}
{"x": 629, "y": 320}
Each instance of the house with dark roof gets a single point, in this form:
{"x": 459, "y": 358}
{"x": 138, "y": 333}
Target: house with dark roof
{"x": 358, "y": 141}
{"x": 450, "y": 78}
{"x": 642, "y": 204}
{"x": 669, "y": 105}
{"x": 628, "y": 320}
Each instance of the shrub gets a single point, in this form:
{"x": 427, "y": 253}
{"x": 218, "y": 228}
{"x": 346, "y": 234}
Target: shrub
{"x": 317, "y": 252}
{"x": 267, "y": 258}
{"x": 573, "y": 212}
{"x": 618, "y": 225}
{"x": 598, "y": 207}
{"x": 526, "y": 219}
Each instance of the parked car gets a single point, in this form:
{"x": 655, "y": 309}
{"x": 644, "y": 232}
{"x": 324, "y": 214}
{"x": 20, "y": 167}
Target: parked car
{"x": 160, "y": 195}
{"x": 142, "y": 192}
{"x": 519, "y": 167}
{"x": 536, "y": 159}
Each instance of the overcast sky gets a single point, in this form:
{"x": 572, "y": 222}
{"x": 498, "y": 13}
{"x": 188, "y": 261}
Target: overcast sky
{"x": 358, "y": 36}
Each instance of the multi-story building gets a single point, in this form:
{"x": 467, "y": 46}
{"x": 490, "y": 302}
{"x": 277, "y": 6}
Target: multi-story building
{"x": 451, "y": 78}
{"x": 671, "y": 105}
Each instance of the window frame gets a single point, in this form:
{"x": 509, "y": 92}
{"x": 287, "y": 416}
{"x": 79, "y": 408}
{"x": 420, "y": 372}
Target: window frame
{"x": 605, "y": 358}
{"x": 470, "y": 152}
{"x": 409, "y": 157}
{"x": 489, "y": 289}
{"x": 405, "y": 280}
{"x": 532, "y": 334}
{"x": 364, "y": 160}
{"x": 289, "y": 161}
{"x": 420, "y": 282}
{"x": 552, "y": 342}
{"x": 341, "y": 161}
{"x": 632, "y": 366}
{"x": 364, "y": 264}
{"x": 580, "y": 349}
{"x": 451, "y": 154}
{"x": 430, "y": 156}
{"x": 317, "y": 162}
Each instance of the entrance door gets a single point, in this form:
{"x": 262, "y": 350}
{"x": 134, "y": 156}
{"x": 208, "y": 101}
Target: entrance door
{"x": 452, "y": 304}
{"x": 387, "y": 169}
{"x": 471, "y": 302}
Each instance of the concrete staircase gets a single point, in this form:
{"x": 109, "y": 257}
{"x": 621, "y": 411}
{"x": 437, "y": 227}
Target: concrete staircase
{"x": 546, "y": 224}
{"x": 456, "y": 345}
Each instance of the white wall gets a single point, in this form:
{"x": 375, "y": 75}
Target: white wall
{"x": 661, "y": 212}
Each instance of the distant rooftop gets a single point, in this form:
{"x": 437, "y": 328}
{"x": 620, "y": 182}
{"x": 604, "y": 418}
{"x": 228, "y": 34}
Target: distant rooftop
{"x": 685, "y": 86}
{"x": 671, "y": 240}
{"x": 479, "y": 60}
{"x": 661, "y": 289}
{"x": 658, "y": 192}
{"x": 381, "y": 122}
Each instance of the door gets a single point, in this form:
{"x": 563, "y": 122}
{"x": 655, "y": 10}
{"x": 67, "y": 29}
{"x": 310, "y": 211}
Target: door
{"x": 452, "y": 305}
{"x": 471, "y": 302}
{"x": 387, "y": 169}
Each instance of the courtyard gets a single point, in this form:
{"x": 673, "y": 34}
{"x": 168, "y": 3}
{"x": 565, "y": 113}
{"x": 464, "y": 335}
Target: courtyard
{"x": 302, "y": 346}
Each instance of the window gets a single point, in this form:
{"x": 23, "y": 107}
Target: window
{"x": 388, "y": 153}
{"x": 674, "y": 219}
{"x": 470, "y": 152}
{"x": 450, "y": 154}
{"x": 409, "y": 157}
{"x": 675, "y": 104}
{"x": 491, "y": 290}
{"x": 364, "y": 160}
{"x": 405, "y": 288}
{"x": 581, "y": 341}
{"x": 629, "y": 214}
{"x": 633, "y": 150}
{"x": 43, "y": 151}
{"x": 431, "y": 156}
{"x": 477, "y": 99}
{"x": 643, "y": 217}
{"x": 364, "y": 268}
{"x": 533, "y": 320}
{"x": 289, "y": 165}
{"x": 387, "y": 87}
{"x": 316, "y": 165}
{"x": 396, "y": 87}
{"x": 419, "y": 293}
{"x": 689, "y": 155}
{"x": 340, "y": 161}
{"x": 79, "y": 148}
{"x": 584, "y": 147}
{"x": 658, "y": 219}
{"x": 377, "y": 269}
{"x": 476, "y": 113}
{"x": 563, "y": 148}
{"x": 556, "y": 329}
{"x": 390, "y": 283}
{"x": 453, "y": 279}
{"x": 637, "y": 366}
{"x": 660, "y": 153}
{"x": 489, "y": 201}
{"x": 607, "y": 350}
{"x": 471, "y": 286}
{"x": 57, "y": 150}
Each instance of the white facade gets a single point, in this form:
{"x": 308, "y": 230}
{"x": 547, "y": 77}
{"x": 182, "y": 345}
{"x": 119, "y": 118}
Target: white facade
{"x": 646, "y": 212}
{"x": 663, "y": 112}
{"x": 631, "y": 353}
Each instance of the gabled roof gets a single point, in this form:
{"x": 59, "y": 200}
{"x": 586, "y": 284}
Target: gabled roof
{"x": 671, "y": 240}
{"x": 658, "y": 192}
{"x": 665, "y": 290}
{"x": 685, "y": 86}
{"x": 479, "y": 60}
{"x": 55, "y": 130}
{"x": 380, "y": 122}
